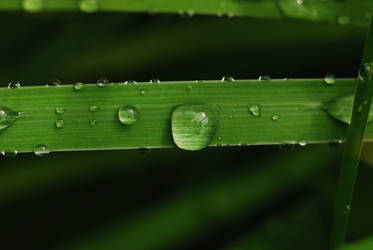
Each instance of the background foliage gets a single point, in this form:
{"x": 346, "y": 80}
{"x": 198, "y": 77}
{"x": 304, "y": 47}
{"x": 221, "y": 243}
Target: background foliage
{"x": 218, "y": 198}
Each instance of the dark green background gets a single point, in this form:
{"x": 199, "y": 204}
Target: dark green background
{"x": 217, "y": 198}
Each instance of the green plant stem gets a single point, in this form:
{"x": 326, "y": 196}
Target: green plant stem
{"x": 297, "y": 102}
{"x": 344, "y": 12}
{"x": 351, "y": 157}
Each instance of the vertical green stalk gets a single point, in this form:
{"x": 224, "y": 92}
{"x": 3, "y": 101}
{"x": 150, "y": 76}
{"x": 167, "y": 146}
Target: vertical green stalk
{"x": 355, "y": 136}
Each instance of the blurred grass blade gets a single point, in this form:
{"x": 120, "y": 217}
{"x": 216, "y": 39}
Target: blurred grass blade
{"x": 220, "y": 199}
{"x": 366, "y": 244}
{"x": 354, "y": 142}
{"x": 343, "y": 12}
{"x": 63, "y": 118}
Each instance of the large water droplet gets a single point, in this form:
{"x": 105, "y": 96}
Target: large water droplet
{"x": 255, "y": 110}
{"x": 14, "y": 85}
{"x": 60, "y": 123}
{"x": 227, "y": 79}
{"x": 53, "y": 83}
{"x": 41, "y": 150}
{"x": 78, "y": 86}
{"x": 264, "y": 78}
{"x": 7, "y": 117}
{"x": 102, "y": 82}
{"x": 128, "y": 114}
{"x": 88, "y": 6}
{"x": 329, "y": 79}
{"x": 60, "y": 110}
{"x": 194, "y": 125}
{"x": 33, "y": 5}
{"x": 341, "y": 108}
{"x": 94, "y": 108}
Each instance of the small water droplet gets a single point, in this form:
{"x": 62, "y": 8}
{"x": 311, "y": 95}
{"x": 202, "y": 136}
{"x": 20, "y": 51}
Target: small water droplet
{"x": 41, "y": 150}
{"x": 343, "y": 20}
{"x": 299, "y": 2}
{"x": 255, "y": 110}
{"x": 188, "y": 88}
{"x": 14, "y": 85}
{"x": 102, "y": 82}
{"x": 128, "y": 114}
{"x": 9, "y": 153}
{"x": 142, "y": 92}
{"x": 60, "y": 110}
{"x": 194, "y": 125}
{"x": 130, "y": 82}
{"x": 78, "y": 86}
{"x": 190, "y": 13}
{"x": 7, "y": 117}
{"x": 154, "y": 81}
{"x": 264, "y": 78}
{"x": 329, "y": 79}
{"x": 33, "y": 5}
{"x": 365, "y": 72}
{"x": 53, "y": 83}
{"x": 227, "y": 79}
{"x": 220, "y": 138}
{"x": 92, "y": 122}
{"x": 94, "y": 108}
{"x": 302, "y": 143}
{"x": 59, "y": 123}
{"x": 275, "y": 117}
{"x": 88, "y": 6}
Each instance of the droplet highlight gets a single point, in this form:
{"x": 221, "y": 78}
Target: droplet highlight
{"x": 59, "y": 123}
{"x": 275, "y": 117}
{"x": 329, "y": 79}
{"x": 128, "y": 114}
{"x": 59, "y": 110}
{"x": 78, "y": 86}
{"x": 41, "y": 150}
{"x": 194, "y": 125}
{"x": 255, "y": 110}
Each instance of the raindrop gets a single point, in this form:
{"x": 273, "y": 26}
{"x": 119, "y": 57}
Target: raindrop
{"x": 264, "y": 78}
{"x": 227, "y": 79}
{"x": 88, "y": 6}
{"x": 7, "y": 117}
{"x": 300, "y": 2}
{"x": 41, "y": 150}
{"x": 255, "y": 110}
{"x": 92, "y": 122}
{"x": 365, "y": 72}
{"x": 329, "y": 79}
{"x": 347, "y": 209}
{"x": 33, "y": 5}
{"x": 53, "y": 83}
{"x": 128, "y": 114}
{"x": 275, "y": 117}
{"x": 14, "y": 85}
{"x": 60, "y": 110}
{"x": 78, "y": 86}
{"x": 9, "y": 153}
{"x": 59, "y": 123}
{"x": 102, "y": 82}
{"x": 142, "y": 92}
{"x": 94, "y": 108}
{"x": 154, "y": 81}
{"x": 194, "y": 125}
{"x": 130, "y": 82}
{"x": 302, "y": 143}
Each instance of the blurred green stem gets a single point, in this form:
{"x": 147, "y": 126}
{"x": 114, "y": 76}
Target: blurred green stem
{"x": 355, "y": 136}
